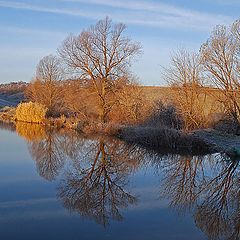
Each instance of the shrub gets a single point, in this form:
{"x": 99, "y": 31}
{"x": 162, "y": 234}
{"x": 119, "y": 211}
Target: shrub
{"x": 164, "y": 116}
{"x": 31, "y": 112}
{"x": 7, "y": 114}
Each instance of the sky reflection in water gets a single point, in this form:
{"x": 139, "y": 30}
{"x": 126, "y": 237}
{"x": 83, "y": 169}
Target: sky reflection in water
{"x": 60, "y": 185}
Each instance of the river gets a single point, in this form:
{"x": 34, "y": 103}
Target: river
{"x": 62, "y": 185}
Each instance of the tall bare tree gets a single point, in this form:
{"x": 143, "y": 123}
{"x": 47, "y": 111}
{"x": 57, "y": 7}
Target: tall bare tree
{"x": 46, "y": 87}
{"x": 101, "y": 54}
{"x": 221, "y": 60}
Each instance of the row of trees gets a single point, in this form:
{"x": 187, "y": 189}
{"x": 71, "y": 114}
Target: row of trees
{"x": 196, "y": 75}
{"x": 91, "y": 77}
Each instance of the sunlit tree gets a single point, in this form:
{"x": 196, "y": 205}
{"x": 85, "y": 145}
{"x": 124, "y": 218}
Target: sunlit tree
{"x": 102, "y": 55}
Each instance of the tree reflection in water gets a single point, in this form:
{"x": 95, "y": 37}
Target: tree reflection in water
{"x": 95, "y": 180}
{"x": 95, "y": 187}
{"x": 218, "y": 214}
{"x": 182, "y": 177}
{"x": 94, "y": 183}
{"x": 207, "y": 186}
{"x": 45, "y": 148}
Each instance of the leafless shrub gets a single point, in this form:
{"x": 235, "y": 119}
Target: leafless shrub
{"x": 164, "y": 116}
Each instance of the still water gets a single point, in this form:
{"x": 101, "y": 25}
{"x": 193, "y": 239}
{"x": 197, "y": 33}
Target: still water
{"x": 61, "y": 185}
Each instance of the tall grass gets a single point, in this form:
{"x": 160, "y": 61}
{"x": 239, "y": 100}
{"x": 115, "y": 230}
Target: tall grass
{"x": 31, "y": 112}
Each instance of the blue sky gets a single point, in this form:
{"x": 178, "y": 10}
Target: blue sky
{"x": 31, "y": 29}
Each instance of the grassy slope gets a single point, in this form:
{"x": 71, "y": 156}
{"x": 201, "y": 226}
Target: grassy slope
{"x": 12, "y": 93}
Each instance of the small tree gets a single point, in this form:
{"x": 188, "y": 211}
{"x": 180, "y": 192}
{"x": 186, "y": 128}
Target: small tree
{"x": 46, "y": 87}
{"x": 102, "y": 55}
{"x": 185, "y": 78}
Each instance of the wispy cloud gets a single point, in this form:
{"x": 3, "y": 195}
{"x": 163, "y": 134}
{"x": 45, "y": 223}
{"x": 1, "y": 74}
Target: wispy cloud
{"x": 141, "y": 5}
{"x": 166, "y": 13}
{"x": 144, "y": 13}
{"x": 224, "y": 2}
{"x": 31, "y": 7}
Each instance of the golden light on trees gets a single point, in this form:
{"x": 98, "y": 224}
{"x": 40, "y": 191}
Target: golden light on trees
{"x": 31, "y": 112}
{"x": 220, "y": 56}
{"x": 46, "y": 87}
{"x": 102, "y": 55}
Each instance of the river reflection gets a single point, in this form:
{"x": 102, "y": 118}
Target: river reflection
{"x": 93, "y": 175}
{"x": 209, "y": 188}
{"x": 93, "y": 184}
{"x": 96, "y": 187}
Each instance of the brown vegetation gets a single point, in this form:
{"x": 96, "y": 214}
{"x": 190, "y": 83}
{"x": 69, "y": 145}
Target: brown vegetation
{"x": 221, "y": 60}
{"x": 185, "y": 77}
{"x": 165, "y": 140}
{"x": 101, "y": 55}
{"x": 46, "y": 88}
{"x": 89, "y": 86}
{"x": 31, "y": 112}
{"x": 7, "y": 114}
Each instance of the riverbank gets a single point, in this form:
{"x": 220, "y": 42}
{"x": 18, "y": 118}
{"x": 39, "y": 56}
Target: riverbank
{"x": 160, "y": 139}
{"x": 7, "y": 115}
{"x": 198, "y": 142}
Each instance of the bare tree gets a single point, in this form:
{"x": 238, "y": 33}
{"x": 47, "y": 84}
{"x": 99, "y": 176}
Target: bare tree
{"x": 221, "y": 60}
{"x": 102, "y": 55}
{"x": 46, "y": 88}
{"x": 185, "y": 78}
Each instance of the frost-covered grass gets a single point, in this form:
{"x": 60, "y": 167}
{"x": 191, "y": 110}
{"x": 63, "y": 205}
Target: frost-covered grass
{"x": 165, "y": 140}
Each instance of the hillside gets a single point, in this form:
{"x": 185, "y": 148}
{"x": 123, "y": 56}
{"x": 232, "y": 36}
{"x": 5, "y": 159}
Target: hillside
{"x": 12, "y": 93}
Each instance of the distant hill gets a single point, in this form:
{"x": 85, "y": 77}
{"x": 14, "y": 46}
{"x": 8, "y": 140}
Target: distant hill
{"x": 12, "y": 93}
{"x": 154, "y": 93}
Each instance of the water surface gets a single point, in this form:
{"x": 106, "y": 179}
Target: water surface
{"x": 61, "y": 185}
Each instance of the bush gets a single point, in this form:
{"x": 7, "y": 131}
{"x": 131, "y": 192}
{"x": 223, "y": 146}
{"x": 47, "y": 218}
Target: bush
{"x": 164, "y": 116}
{"x": 31, "y": 112}
{"x": 7, "y": 114}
